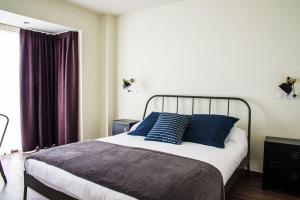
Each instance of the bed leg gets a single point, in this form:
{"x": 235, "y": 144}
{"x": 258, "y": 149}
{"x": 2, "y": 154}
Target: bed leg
{"x": 248, "y": 169}
{"x": 25, "y": 193}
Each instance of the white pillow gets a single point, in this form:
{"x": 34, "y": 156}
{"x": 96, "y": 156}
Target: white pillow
{"x": 236, "y": 135}
{"x": 135, "y": 126}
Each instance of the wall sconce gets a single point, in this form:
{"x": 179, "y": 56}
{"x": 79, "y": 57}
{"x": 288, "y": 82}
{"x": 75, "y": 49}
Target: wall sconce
{"x": 128, "y": 84}
{"x": 289, "y": 86}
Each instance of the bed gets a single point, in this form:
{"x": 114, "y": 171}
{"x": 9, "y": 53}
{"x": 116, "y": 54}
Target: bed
{"x": 56, "y": 183}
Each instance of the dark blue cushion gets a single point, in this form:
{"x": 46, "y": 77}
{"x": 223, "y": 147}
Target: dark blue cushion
{"x": 169, "y": 128}
{"x": 210, "y": 130}
{"x": 146, "y": 125}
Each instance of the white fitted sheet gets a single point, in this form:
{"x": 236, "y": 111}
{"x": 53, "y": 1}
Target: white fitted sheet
{"x": 226, "y": 160}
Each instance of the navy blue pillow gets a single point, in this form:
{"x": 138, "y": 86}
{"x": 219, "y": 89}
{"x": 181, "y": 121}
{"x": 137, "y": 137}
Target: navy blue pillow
{"x": 210, "y": 130}
{"x": 146, "y": 125}
{"x": 169, "y": 128}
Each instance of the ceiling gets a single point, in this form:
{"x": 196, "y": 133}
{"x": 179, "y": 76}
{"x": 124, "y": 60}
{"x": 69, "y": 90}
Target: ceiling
{"x": 119, "y": 7}
{"x": 34, "y": 24}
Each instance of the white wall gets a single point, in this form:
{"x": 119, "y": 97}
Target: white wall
{"x": 92, "y": 27}
{"x": 241, "y": 48}
{"x": 109, "y": 23}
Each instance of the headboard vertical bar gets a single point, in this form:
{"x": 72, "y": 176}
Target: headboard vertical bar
{"x": 249, "y": 135}
{"x": 163, "y": 103}
{"x": 228, "y": 105}
{"x": 209, "y": 105}
{"x": 193, "y": 106}
{"x": 177, "y": 105}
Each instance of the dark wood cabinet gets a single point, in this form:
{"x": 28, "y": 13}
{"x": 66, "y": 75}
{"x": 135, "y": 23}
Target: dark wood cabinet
{"x": 122, "y": 125}
{"x": 281, "y": 164}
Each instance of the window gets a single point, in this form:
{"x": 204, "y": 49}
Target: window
{"x": 9, "y": 87}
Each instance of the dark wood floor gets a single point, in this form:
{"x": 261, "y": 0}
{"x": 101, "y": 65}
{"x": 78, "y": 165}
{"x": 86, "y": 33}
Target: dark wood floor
{"x": 251, "y": 188}
{"x": 247, "y": 188}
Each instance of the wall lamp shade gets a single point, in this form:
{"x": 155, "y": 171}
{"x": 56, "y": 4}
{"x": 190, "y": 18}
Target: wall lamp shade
{"x": 288, "y": 86}
{"x": 127, "y": 84}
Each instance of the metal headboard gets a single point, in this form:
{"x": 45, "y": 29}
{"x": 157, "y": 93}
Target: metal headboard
{"x": 210, "y": 98}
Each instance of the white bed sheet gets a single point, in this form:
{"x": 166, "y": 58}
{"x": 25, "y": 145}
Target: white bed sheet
{"x": 226, "y": 160}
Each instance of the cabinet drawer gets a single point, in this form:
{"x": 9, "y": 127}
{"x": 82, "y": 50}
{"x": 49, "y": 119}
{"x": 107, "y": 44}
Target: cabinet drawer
{"x": 120, "y": 128}
{"x": 275, "y": 151}
{"x": 292, "y": 154}
{"x": 280, "y": 152}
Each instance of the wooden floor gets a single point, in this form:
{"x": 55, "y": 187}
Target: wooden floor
{"x": 13, "y": 166}
{"x": 251, "y": 188}
{"x": 247, "y": 188}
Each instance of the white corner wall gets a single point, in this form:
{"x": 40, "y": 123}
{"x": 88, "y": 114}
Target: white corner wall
{"x": 241, "y": 48}
{"x": 109, "y": 24}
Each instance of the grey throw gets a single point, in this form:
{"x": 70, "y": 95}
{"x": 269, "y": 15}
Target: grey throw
{"x": 137, "y": 172}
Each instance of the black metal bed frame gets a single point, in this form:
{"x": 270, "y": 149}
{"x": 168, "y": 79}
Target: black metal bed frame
{"x": 33, "y": 183}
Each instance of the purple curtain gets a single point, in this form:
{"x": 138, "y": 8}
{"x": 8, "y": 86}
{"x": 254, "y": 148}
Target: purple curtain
{"x": 49, "y": 89}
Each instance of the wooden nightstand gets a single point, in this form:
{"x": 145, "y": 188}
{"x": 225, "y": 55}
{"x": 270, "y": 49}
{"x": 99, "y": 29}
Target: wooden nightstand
{"x": 282, "y": 164}
{"x": 122, "y": 125}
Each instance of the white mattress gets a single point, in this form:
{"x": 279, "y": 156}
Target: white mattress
{"x": 226, "y": 160}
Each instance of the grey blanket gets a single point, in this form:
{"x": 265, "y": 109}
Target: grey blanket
{"x": 137, "y": 172}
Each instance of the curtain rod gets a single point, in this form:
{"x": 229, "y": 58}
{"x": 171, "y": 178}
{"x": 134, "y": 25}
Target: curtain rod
{"x": 16, "y": 27}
